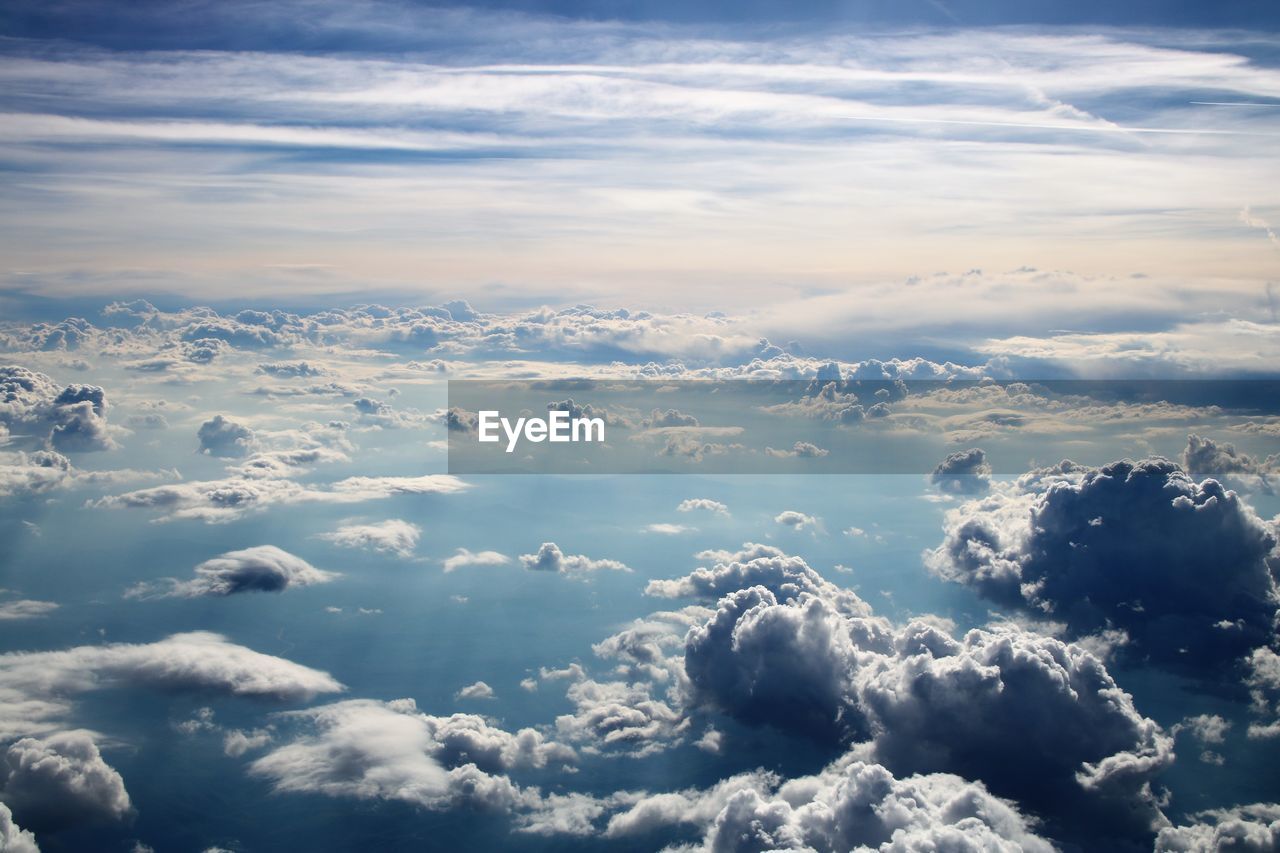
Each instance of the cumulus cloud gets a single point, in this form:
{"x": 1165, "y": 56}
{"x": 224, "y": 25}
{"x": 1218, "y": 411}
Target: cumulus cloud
{"x": 851, "y": 805}
{"x": 38, "y": 411}
{"x": 394, "y": 536}
{"x": 706, "y": 504}
{"x": 799, "y": 450}
{"x": 34, "y": 686}
{"x": 61, "y": 780}
{"x": 795, "y": 520}
{"x": 264, "y": 568}
{"x": 550, "y": 558}
{"x": 964, "y": 472}
{"x": 463, "y": 558}
{"x": 366, "y": 749}
{"x": 1032, "y": 717}
{"x": 221, "y": 436}
{"x": 1204, "y": 458}
{"x": 1182, "y": 568}
{"x": 478, "y": 690}
{"x": 1241, "y": 829}
{"x": 13, "y": 838}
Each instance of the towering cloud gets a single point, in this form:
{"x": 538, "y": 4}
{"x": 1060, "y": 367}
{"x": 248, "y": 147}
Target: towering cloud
{"x": 1184, "y": 569}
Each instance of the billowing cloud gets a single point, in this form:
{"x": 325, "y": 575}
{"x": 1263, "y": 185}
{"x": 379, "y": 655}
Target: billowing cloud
{"x": 550, "y": 558}
{"x": 1204, "y": 458}
{"x": 263, "y": 568}
{"x": 13, "y": 838}
{"x": 965, "y": 472}
{"x": 391, "y": 751}
{"x": 221, "y": 436}
{"x": 1032, "y": 717}
{"x": 1242, "y": 829}
{"x": 851, "y": 805}
{"x": 394, "y": 536}
{"x": 1183, "y": 568}
{"x": 61, "y": 780}
{"x": 35, "y": 409}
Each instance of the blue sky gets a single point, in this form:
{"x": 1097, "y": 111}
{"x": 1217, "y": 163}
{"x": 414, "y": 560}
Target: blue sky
{"x": 247, "y": 602}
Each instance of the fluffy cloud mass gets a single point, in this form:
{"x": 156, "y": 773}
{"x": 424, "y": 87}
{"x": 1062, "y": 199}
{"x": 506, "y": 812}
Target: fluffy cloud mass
{"x": 13, "y": 838}
{"x": 61, "y": 780}
{"x": 1184, "y": 569}
{"x": 264, "y": 568}
{"x": 389, "y": 750}
{"x": 550, "y": 558}
{"x": 66, "y": 418}
{"x": 851, "y": 805}
{"x": 964, "y": 472}
{"x": 1030, "y": 716}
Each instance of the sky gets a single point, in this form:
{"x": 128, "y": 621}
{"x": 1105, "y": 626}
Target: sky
{"x": 985, "y": 553}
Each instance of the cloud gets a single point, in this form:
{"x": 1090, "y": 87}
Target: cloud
{"x": 851, "y": 805}
{"x": 757, "y": 565}
{"x": 25, "y": 608}
{"x": 221, "y": 436}
{"x": 228, "y": 499}
{"x": 34, "y": 686}
{"x": 795, "y": 520}
{"x": 691, "y": 504}
{"x": 394, "y": 536}
{"x": 800, "y": 450}
{"x": 1204, "y": 458}
{"x": 263, "y": 568}
{"x": 366, "y": 749}
{"x": 1032, "y": 717}
{"x": 1182, "y": 568}
{"x": 478, "y": 690}
{"x": 13, "y": 838}
{"x": 964, "y": 472}
{"x": 550, "y": 558}
{"x": 38, "y": 411}
{"x": 1245, "y": 829}
{"x": 463, "y": 558}
{"x": 668, "y": 529}
{"x": 61, "y": 780}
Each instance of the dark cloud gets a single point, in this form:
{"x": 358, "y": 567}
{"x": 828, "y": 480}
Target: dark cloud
{"x": 1182, "y": 568}
{"x": 964, "y": 472}
{"x": 61, "y": 780}
{"x": 264, "y": 568}
{"x": 221, "y": 436}
{"x": 1032, "y": 717}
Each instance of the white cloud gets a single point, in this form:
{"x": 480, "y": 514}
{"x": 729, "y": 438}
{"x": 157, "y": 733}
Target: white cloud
{"x": 550, "y": 558}
{"x": 463, "y": 558}
{"x": 478, "y": 690}
{"x": 394, "y": 536}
